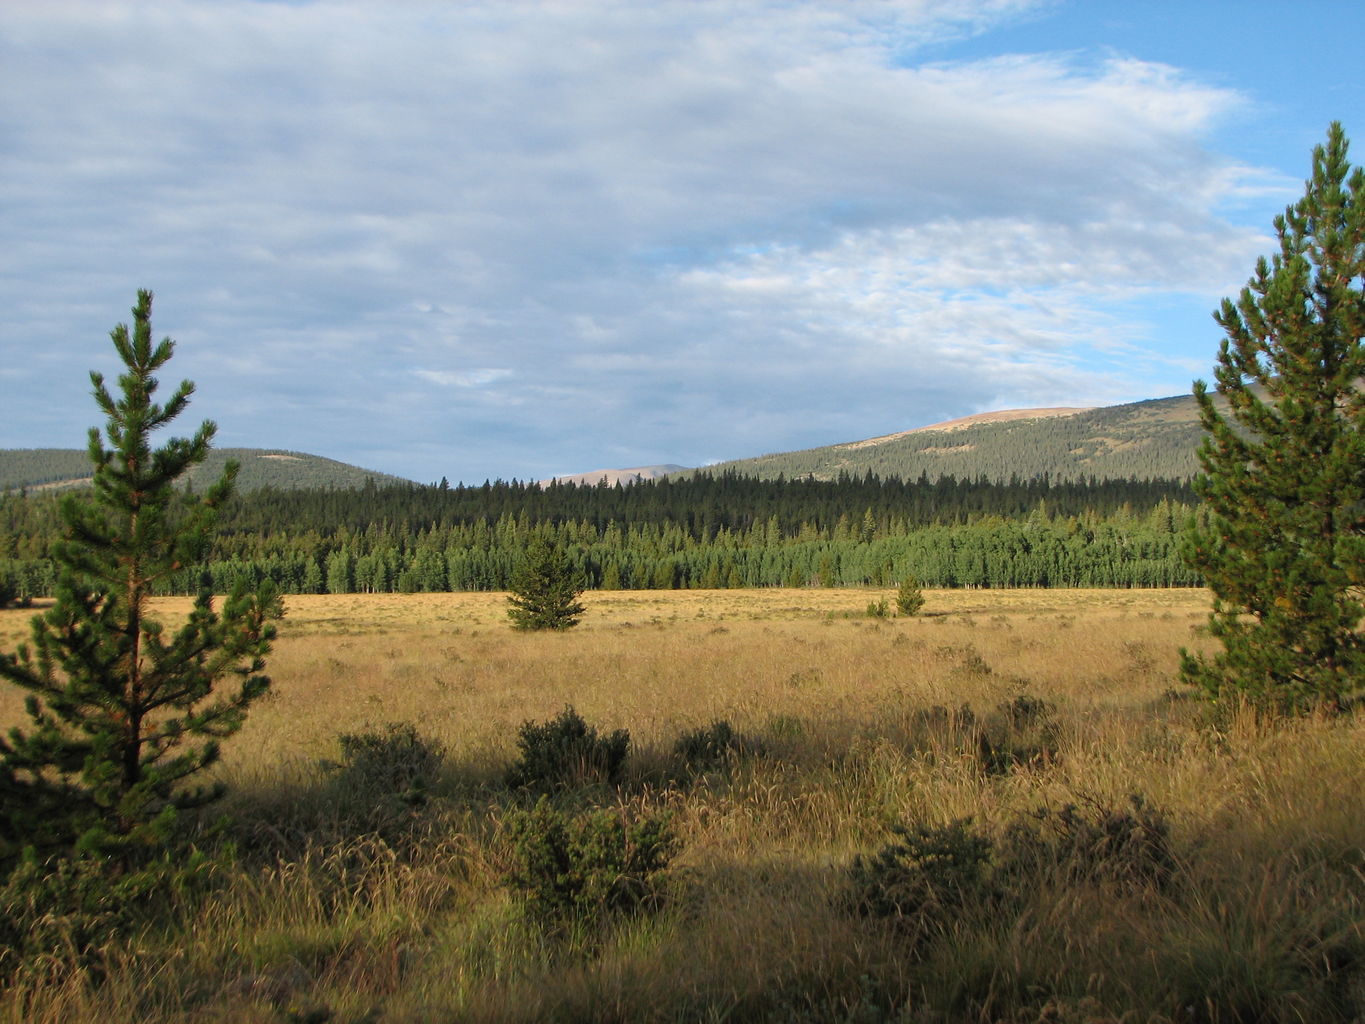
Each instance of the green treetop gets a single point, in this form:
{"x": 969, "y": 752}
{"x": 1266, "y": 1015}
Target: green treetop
{"x": 1283, "y": 549}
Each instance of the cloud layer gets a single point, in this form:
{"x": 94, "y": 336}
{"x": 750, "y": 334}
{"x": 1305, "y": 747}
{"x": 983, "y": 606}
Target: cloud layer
{"x": 525, "y": 239}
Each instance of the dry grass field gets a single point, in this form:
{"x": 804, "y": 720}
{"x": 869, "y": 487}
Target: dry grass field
{"x": 340, "y": 905}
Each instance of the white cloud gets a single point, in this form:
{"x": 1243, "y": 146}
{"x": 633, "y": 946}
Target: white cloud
{"x": 661, "y": 229}
{"x": 466, "y": 378}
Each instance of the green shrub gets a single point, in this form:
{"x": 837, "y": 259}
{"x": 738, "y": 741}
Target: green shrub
{"x": 1129, "y": 849}
{"x": 566, "y": 752}
{"x": 878, "y": 609}
{"x": 61, "y": 913}
{"x": 1022, "y": 732}
{"x": 934, "y": 877}
{"x": 575, "y": 871}
{"x": 926, "y": 880}
{"x": 712, "y": 748}
{"x": 397, "y": 761}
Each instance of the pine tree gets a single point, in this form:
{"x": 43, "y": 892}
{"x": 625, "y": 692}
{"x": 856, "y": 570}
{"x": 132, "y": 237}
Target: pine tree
{"x": 545, "y": 588}
{"x": 909, "y": 597}
{"x": 1283, "y": 547}
{"x": 124, "y": 712}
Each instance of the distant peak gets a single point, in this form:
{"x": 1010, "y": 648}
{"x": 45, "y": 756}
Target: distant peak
{"x": 615, "y": 476}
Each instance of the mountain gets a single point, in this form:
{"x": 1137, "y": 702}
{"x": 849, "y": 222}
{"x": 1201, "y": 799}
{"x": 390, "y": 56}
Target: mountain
{"x": 616, "y": 476}
{"x": 1146, "y": 440}
{"x": 43, "y": 468}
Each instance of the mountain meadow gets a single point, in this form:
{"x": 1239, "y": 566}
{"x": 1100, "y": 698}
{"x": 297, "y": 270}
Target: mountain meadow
{"x": 746, "y": 787}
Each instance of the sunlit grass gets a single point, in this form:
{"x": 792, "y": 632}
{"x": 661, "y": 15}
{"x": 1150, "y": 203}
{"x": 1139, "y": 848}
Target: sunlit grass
{"x": 387, "y": 913}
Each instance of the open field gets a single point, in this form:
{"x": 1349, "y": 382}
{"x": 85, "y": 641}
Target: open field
{"x": 343, "y": 903}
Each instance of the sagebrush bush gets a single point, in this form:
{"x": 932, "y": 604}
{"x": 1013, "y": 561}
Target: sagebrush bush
{"x": 59, "y": 915}
{"x": 926, "y": 880}
{"x": 712, "y": 748}
{"x": 1022, "y": 732}
{"x": 1130, "y": 849}
{"x": 396, "y": 761}
{"x": 577, "y": 870}
{"x": 937, "y": 875}
{"x": 565, "y": 752}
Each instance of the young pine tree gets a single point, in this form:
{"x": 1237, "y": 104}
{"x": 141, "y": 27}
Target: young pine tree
{"x": 123, "y": 711}
{"x": 1283, "y": 548}
{"x": 909, "y": 597}
{"x": 545, "y": 588}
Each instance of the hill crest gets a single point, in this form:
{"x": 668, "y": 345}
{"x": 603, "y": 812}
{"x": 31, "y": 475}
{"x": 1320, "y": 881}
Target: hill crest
{"x": 61, "y": 468}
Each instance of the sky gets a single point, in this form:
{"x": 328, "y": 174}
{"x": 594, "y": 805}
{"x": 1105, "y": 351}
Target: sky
{"x": 502, "y": 239}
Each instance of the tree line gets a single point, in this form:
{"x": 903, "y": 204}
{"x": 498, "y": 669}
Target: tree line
{"x": 703, "y": 532}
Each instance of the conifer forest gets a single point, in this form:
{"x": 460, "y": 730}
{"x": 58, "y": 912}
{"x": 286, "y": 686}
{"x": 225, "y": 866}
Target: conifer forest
{"x": 704, "y": 532}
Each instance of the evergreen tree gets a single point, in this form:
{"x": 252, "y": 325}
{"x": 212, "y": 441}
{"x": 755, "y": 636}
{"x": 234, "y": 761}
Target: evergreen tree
{"x": 909, "y": 597}
{"x": 1283, "y": 548}
{"x": 123, "y": 712}
{"x": 545, "y": 588}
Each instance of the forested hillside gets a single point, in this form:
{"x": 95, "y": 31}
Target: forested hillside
{"x": 709, "y": 531}
{"x": 1146, "y": 440}
{"x": 69, "y": 467}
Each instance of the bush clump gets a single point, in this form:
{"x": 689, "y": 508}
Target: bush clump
{"x": 63, "y": 913}
{"x": 396, "y": 761}
{"x": 566, "y": 752}
{"x": 936, "y": 876}
{"x": 1022, "y": 732}
{"x": 578, "y": 870}
{"x": 712, "y": 748}
{"x": 925, "y": 880}
{"x": 1129, "y": 849}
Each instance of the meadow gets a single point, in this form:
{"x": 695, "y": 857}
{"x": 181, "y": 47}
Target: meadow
{"x": 1155, "y": 859}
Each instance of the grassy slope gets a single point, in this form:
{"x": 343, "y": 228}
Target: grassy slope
{"x": 35, "y": 467}
{"x": 368, "y": 911}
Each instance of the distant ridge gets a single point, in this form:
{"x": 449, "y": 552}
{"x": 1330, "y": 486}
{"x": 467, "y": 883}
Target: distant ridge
{"x": 57, "y": 468}
{"x": 1155, "y": 439}
{"x": 1006, "y": 415}
{"x": 612, "y": 477}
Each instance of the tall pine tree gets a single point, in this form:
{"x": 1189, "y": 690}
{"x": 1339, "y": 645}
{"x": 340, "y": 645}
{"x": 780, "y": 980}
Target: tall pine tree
{"x": 1284, "y": 461}
{"x": 123, "y": 711}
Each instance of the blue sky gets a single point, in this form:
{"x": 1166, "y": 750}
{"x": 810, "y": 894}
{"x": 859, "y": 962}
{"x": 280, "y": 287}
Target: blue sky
{"x": 514, "y": 239}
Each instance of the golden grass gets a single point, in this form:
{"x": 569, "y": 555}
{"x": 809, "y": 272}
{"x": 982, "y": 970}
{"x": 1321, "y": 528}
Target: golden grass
{"x": 1268, "y": 823}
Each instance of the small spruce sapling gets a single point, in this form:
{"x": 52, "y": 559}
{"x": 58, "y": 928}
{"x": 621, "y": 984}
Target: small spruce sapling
{"x": 545, "y": 588}
{"x": 909, "y": 598}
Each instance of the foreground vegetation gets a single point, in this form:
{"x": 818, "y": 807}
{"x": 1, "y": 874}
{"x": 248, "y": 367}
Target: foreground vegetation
{"x": 372, "y": 868}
